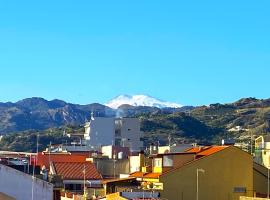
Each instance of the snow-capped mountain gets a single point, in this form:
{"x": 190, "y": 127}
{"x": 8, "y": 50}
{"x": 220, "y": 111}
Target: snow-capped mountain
{"x": 140, "y": 100}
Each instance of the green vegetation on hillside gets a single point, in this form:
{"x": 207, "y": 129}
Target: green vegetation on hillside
{"x": 205, "y": 124}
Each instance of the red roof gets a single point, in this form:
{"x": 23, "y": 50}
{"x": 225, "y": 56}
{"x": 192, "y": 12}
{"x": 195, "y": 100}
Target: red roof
{"x": 137, "y": 174}
{"x": 44, "y": 159}
{"x": 196, "y": 149}
{"x": 145, "y": 175}
{"x": 75, "y": 170}
{"x": 206, "y": 151}
{"x": 211, "y": 150}
{"x": 152, "y": 175}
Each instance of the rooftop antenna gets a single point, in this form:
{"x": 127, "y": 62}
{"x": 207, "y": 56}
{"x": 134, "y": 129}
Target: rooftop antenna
{"x": 169, "y": 139}
{"x": 50, "y": 146}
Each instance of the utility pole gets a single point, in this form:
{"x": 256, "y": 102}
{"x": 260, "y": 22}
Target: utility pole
{"x": 268, "y": 182}
{"x": 251, "y": 142}
{"x": 169, "y": 139}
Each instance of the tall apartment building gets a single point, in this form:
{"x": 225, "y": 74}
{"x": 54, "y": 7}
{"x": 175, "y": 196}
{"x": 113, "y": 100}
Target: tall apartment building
{"x": 124, "y": 132}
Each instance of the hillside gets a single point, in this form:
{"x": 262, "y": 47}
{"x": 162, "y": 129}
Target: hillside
{"x": 40, "y": 114}
{"x": 205, "y": 124}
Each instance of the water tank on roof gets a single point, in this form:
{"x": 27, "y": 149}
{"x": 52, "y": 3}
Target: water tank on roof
{"x": 120, "y": 155}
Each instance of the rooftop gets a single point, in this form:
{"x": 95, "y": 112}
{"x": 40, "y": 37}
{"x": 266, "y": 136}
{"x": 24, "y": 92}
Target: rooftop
{"x": 44, "y": 159}
{"x": 145, "y": 175}
{"x": 75, "y": 170}
{"x": 206, "y": 151}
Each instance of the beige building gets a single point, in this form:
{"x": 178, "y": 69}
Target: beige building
{"x": 226, "y": 174}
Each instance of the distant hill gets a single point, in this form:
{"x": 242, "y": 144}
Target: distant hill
{"x": 39, "y": 114}
{"x": 204, "y": 124}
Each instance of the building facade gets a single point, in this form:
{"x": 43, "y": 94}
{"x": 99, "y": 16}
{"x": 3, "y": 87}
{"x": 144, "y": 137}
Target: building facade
{"x": 21, "y": 186}
{"x": 223, "y": 175}
{"x": 124, "y": 132}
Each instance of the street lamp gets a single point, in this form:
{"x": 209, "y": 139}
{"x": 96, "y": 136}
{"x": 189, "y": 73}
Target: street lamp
{"x": 197, "y": 191}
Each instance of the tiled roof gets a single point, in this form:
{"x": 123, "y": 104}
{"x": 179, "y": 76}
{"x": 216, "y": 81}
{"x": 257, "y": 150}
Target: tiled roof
{"x": 196, "y": 149}
{"x": 75, "y": 170}
{"x": 211, "y": 150}
{"x": 152, "y": 175}
{"x": 145, "y": 175}
{"x": 44, "y": 159}
{"x": 206, "y": 151}
{"x": 137, "y": 174}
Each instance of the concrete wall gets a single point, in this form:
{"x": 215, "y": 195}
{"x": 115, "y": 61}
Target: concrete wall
{"x": 19, "y": 185}
{"x": 224, "y": 171}
{"x": 100, "y": 131}
{"x": 135, "y": 163}
{"x": 130, "y": 132}
{"x": 111, "y": 168}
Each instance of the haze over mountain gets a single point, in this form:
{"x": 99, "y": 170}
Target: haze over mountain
{"x": 140, "y": 100}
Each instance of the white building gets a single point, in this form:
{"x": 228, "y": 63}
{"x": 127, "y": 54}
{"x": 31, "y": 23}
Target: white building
{"x": 262, "y": 150}
{"x": 128, "y": 133}
{"x": 99, "y": 131}
{"x": 21, "y": 186}
{"x": 124, "y": 132}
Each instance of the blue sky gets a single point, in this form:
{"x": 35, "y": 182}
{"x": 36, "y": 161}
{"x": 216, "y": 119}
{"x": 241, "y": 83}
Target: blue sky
{"x": 190, "y": 52}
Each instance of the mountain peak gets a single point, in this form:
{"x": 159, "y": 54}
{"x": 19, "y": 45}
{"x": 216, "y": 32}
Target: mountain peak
{"x": 140, "y": 100}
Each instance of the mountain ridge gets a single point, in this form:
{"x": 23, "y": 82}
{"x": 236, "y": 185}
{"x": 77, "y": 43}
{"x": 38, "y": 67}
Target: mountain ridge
{"x": 39, "y": 114}
{"x": 140, "y": 100}
{"x": 203, "y": 124}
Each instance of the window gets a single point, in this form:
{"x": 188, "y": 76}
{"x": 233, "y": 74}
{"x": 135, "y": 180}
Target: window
{"x": 239, "y": 190}
{"x": 168, "y": 161}
{"x": 158, "y": 162}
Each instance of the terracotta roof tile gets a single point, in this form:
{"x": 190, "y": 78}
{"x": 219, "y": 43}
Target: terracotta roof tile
{"x": 137, "y": 174}
{"x": 74, "y": 170}
{"x": 152, "y": 175}
{"x": 145, "y": 175}
{"x": 43, "y": 159}
{"x": 206, "y": 151}
{"x": 211, "y": 150}
{"x": 196, "y": 149}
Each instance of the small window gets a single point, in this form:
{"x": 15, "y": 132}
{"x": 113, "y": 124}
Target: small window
{"x": 158, "y": 162}
{"x": 168, "y": 161}
{"x": 239, "y": 190}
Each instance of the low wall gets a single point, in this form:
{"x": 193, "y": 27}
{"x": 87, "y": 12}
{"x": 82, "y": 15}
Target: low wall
{"x": 252, "y": 198}
{"x": 22, "y": 186}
